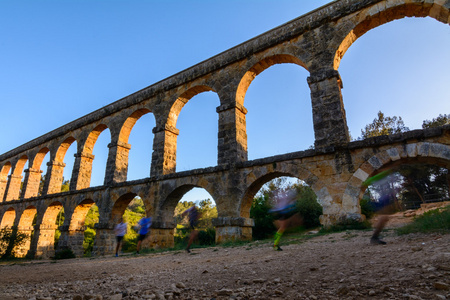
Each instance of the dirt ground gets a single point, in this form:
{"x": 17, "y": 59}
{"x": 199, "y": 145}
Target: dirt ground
{"x": 335, "y": 266}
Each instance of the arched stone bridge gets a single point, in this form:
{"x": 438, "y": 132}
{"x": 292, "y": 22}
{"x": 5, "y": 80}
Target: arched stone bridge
{"x": 335, "y": 169}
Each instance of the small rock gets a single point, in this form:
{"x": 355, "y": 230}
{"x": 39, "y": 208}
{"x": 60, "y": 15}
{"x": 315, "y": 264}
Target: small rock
{"x": 116, "y": 297}
{"x": 372, "y": 293}
{"x": 342, "y": 290}
{"x": 224, "y": 292}
{"x": 180, "y": 285}
{"x": 259, "y": 280}
{"x": 439, "y": 285}
{"x": 278, "y": 292}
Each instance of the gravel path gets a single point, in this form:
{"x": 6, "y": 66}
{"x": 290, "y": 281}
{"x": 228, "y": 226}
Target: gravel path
{"x": 336, "y": 266}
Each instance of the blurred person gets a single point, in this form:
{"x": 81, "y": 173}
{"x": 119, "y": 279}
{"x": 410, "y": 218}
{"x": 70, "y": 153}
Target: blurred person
{"x": 144, "y": 227}
{"x": 193, "y": 217}
{"x": 385, "y": 205}
{"x": 120, "y": 230}
{"x": 285, "y": 214}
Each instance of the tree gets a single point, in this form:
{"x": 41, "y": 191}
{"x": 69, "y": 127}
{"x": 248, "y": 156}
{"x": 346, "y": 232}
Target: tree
{"x": 383, "y": 126}
{"x": 436, "y": 122}
{"x": 65, "y": 186}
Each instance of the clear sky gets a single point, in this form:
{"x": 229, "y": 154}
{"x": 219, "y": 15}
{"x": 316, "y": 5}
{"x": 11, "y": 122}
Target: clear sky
{"x": 60, "y": 60}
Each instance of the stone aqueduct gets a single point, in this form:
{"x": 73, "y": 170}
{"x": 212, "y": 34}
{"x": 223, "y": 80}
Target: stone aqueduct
{"x": 334, "y": 169}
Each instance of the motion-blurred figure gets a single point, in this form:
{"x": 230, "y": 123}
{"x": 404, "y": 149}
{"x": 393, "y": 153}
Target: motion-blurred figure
{"x": 385, "y": 204}
{"x": 193, "y": 217}
{"x": 120, "y": 230}
{"x": 144, "y": 227}
{"x": 285, "y": 214}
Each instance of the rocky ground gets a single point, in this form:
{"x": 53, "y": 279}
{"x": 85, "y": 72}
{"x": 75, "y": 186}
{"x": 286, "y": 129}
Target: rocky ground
{"x": 335, "y": 266}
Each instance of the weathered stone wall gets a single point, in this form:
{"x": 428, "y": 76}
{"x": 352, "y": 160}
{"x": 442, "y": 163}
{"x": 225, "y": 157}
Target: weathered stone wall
{"x": 335, "y": 169}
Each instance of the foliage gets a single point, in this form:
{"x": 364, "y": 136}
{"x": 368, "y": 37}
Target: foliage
{"x": 59, "y": 221}
{"x": 65, "y": 186}
{"x": 134, "y": 212}
{"x": 206, "y": 231}
{"x": 422, "y": 183}
{"x": 306, "y": 205}
{"x": 436, "y": 122}
{"x": 383, "y": 126}
{"x": 432, "y": 221}
{"x": 64, "y": 254}
{"x": 207, "y": 237}
{"x": 90, "y": 232}
{"x": 366, "y": 207}
{"x": 408, "y": 186}
{"x": 259, "y": 212}
{"x": 10, "y": 239}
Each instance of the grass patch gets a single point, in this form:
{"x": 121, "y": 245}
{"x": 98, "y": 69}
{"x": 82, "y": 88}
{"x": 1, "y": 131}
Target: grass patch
{"x": 436, "y": 220}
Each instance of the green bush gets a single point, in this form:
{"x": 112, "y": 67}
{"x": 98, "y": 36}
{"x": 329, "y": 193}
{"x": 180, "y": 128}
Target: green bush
{"x": 207, "y": 237}
{"x": 64, "y": 254}
{"x": 366, "y": 207}
{"x": 259, "y": 212}
{"x": 432, "y": 221}
{"x": 308, "y": 207}
{"x": 10, "y": 239}
{"x": 88, "y": 243}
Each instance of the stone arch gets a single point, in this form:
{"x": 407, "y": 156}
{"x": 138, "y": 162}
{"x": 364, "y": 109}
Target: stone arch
{"x": 56, "y": 166}
{"x": 127, "y": 126}
{"x": 83, "y": 167}
{"x": 4, "y": 171}
{"x": 414, "y": 152}
{"x": 385, "y": 12}
{"x": 181, "y": 101}
{"x": 167, "y": 207}
{"x": 45, "y": 236}
{"x": 89, "y": 144}
{"x": 8, "y": 218}
{"x": 20, "y": 164}
{"x": 26, "y": 227}
{"x": 120, "y": 205}
{"x": 39, "y": 158}
{"x": 259, "y": 67}
{"x": 15, "y": 180}
{"x": 33, "y": 174}
{"x": 79, "y": 214}
{"x": 256, "y": 180}
{"x": 27, "y": 217}
{"x": 62, "y": 149}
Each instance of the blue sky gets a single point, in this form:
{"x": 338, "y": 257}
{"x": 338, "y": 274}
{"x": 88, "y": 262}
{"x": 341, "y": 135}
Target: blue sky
{"x": 60, "y": 60}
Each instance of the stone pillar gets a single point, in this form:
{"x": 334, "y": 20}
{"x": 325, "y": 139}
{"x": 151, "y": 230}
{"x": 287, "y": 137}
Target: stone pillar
{"x": 3, "y": 184}
{"x": 117, "y": 164}
{"x": 164, "y": 156}
{"x": 233, "y": 229}
{"x": 105, "y": 241}
{"x": 232, "y": 144}
{"x": 43, "y": 242}
{"x": 54, "y": 178}
{"x": 330, "y": 124}
{"x": 13, "y": 187}
{"x": 161, "y": 236}
{"x": 31, "y": 183}
{"x": 82, "y": 171}
{"x": 72, "y": 239}
{"x": 22, "y": 251}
